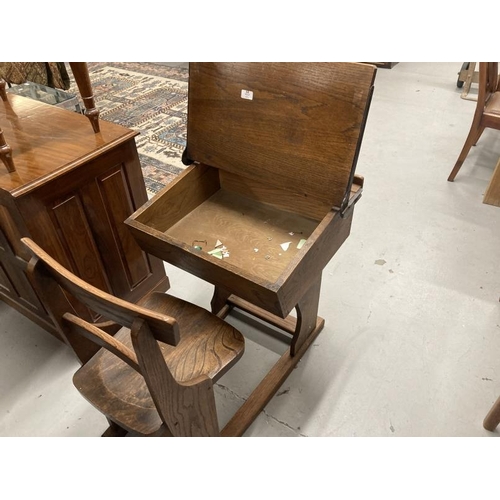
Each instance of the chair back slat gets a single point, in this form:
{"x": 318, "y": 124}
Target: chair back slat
{"x": 163, "y": 327}
{"x": 81, "y": 327}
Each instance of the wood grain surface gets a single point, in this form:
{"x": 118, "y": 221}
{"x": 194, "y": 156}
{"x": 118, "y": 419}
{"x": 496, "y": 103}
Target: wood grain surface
{"x": 301, "y": 128}
{"x": 47, "y": 140}
{"x": 251, "y": 231}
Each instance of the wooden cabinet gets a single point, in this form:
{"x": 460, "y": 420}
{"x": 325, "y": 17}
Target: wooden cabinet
{"x": 71, "y": 192}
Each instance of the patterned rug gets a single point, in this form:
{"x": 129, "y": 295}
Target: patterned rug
{"x": 151, "y": 99}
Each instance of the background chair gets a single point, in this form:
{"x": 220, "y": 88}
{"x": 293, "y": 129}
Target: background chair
{"x": 487, "y": 112}
{"x": 155, "y": 376}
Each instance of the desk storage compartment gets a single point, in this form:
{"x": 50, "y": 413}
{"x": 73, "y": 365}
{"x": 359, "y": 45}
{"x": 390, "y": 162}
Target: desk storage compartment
{"x": 206, "y": 205}
{"x": 272, "y": 149}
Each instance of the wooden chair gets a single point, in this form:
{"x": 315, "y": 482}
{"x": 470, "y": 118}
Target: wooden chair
{"x": 492, "y": 420}
{"x": 155, "y": 376}
{"x": 487, "y": 112}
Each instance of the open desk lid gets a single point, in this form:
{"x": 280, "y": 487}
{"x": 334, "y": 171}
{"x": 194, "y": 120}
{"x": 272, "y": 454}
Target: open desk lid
{"x": 297, "y": 126}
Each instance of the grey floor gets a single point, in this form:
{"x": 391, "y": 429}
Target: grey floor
{"x": 411, "y": 301}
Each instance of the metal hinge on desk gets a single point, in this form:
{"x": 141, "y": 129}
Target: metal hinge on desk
{"x": 348, "y": 202}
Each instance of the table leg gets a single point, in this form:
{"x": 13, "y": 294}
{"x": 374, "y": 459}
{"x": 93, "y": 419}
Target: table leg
{"x": 81, "y": 74}
{"x": 6, "y": 153}
{"x": 3, "y": 93}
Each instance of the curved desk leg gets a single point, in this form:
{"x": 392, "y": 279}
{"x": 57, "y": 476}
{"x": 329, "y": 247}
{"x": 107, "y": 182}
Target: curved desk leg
{"x": 81, "y": 74}
{"x": 3, "y": 93}
{"x": 304, "y": 330}
{"x": 219, "y": 302}
{"x": 6, "y": 153}
{"x": 307, "y": 316}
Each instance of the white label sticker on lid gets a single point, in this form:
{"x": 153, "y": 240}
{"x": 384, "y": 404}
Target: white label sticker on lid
{"x": 247, "y": 94}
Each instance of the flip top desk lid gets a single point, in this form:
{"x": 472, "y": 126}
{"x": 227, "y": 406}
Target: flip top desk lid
{"x": 297, "y": 126}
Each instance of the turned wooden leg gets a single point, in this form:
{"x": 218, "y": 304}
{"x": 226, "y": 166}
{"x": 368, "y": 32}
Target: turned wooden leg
{"x": 3, "y": 93}
{"x": 81, "y": 74}
{"x": 492, "y": 420}
{"x": 6, "y": 153}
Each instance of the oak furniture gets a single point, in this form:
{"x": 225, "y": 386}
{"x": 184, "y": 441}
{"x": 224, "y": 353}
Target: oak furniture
{"x": 155, "y": 376}
{"x": 70, "y": 193}
{"x": 268, "y": 196}
{"x": 487, "y": 112}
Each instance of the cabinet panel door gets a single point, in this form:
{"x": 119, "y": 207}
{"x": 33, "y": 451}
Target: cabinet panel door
{"x": 78, "y": 218}
{"x": 81, "y": 250}
{"x": 13, "y": 281}
{"x": 110, "y": 198}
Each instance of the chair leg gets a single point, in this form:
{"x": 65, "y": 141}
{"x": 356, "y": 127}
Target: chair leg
{"x": 492, "y": 420}
{"x": 472, "y": 138}
{"x": 479, "y": 134}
